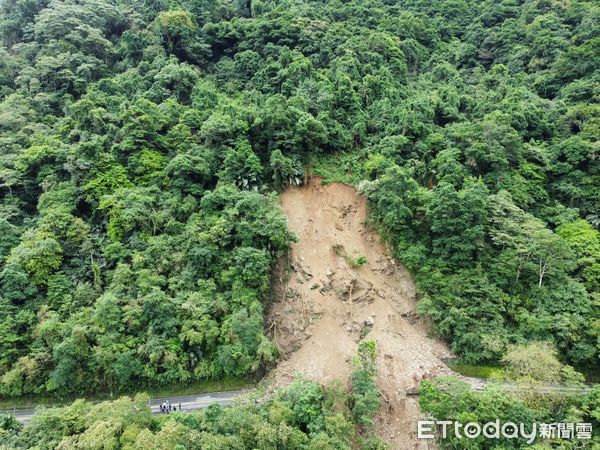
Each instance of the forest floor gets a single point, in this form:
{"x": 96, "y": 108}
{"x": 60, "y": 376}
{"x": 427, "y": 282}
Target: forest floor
{"x": 324, "y": 306}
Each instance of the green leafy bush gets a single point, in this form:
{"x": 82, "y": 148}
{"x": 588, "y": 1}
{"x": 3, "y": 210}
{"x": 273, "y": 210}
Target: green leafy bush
{"x": 364, "y": 395}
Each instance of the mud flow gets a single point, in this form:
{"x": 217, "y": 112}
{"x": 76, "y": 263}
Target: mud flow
{"x": 327, "y": 298}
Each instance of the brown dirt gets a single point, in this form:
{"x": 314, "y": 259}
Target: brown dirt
{"x": 323, "y": 307}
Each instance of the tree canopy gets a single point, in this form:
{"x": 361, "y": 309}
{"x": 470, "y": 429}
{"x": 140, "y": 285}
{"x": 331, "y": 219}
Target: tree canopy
{"x": 141, "y": 143}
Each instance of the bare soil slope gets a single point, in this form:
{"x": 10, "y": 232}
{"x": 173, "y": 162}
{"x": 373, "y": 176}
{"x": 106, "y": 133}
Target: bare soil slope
{"x": 324, "y": 306}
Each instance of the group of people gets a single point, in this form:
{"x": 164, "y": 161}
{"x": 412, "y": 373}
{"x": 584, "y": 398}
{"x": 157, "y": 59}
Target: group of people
{"x": 166, "y": 407}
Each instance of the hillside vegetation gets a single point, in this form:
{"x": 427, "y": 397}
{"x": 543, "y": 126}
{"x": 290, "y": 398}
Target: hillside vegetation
{"x": 141, "y": 142}
{"x": 304, "y": 415}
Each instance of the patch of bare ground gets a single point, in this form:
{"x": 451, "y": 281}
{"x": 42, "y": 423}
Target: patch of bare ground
{"x": 324, "y": 306}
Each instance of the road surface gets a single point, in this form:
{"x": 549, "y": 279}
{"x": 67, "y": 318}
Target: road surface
{"x": 479, "y": 384}
{"x": 188, "y": 403}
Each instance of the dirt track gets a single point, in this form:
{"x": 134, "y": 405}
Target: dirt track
{"x": 324, "y": 307}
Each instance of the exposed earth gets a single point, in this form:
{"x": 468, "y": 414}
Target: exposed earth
{"x": 324, "y": 306}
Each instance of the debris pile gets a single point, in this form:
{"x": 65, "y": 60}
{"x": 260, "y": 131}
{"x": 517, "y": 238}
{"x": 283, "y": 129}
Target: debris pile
{"x": 324, "y": 305}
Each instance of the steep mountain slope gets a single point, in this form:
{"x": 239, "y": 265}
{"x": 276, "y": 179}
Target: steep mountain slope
{"x": 325, "y": 306}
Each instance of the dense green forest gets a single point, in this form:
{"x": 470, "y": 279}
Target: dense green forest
{"x": 142, "y": 143}
{"x": 304, "y": 415}
{"x": 449, "y": 399}
{"x": 525, "y": 368}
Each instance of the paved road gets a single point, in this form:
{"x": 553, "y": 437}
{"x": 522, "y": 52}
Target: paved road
{"x": 479, "y": 384}
{"x": 188, "y": 403}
